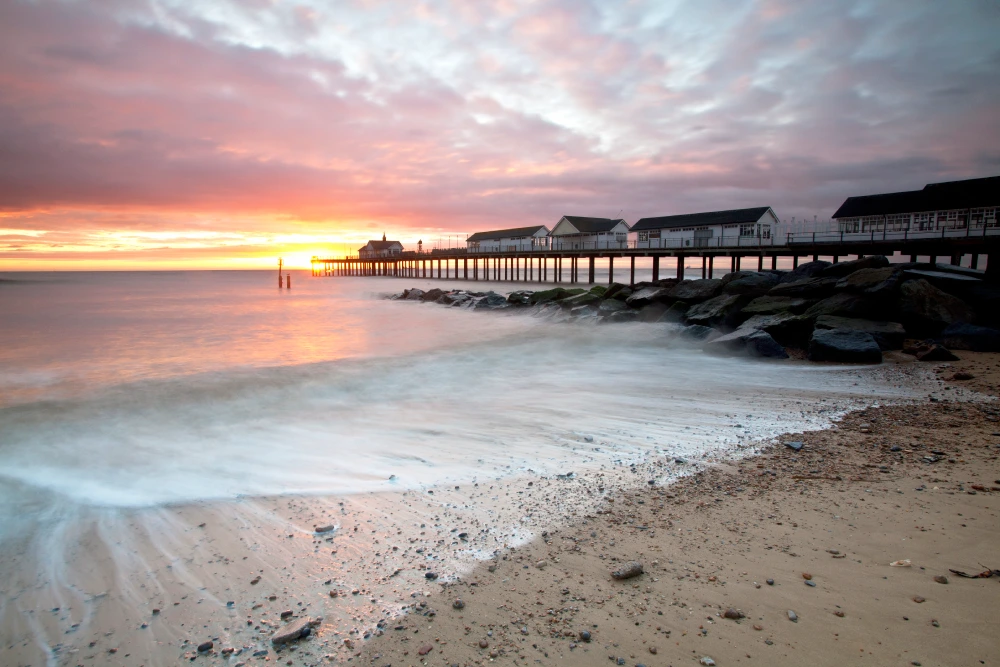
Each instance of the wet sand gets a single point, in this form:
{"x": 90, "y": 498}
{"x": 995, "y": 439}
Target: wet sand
{"x": 149, "y": 587}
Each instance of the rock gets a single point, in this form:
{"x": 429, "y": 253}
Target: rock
{"x": 844, "y": 345}
{"x": 847, "y": 305}
{"x": 962, "y": 376}
{"x": 648, "y": 295}
{"x": 770, "y": 582}
{"x": 205, "y": 647}
{"x": 585, "y": 635}
{"x": 425, "y": 649}
{"x": 599, "y": 290}
{"x": 844, "y": 268}
{"x": 622, "y": 316}
{"x": 706, "y": 661}
{"x": 888, "y": 335}
{"x": 934, "y": 352}
{"x": 696, "y": 291}
{"x": 751, "y": 342}
{"x": 585, "y": 299}
{"x": 733, "y": 614}
{"x": 611, "y": 306}
{"x": 805, "y": 271}
{"x": 675, "y": 312}
{"x": 413, "y": 294}
{"x": 872, "y": 281}
{"x": 619, "y": 292}
{"x": 628, "y": 570}
{"x": 807, "y": 288}
{"x": 323, "y": 529}
{"x": 918, "y": 599}
{"x": 492, "y": 301}
{"x": 927, "y": 310}
{"x": 962, "y": 336}
{"x": 750, "y": 283}
{"x": 797, "y": 446}
{"x": 286, "y": 614}
{"x": 519, "y": 298}
{"x": 652, "y": 312}
{"x": 544, "y": 296}
{"x": 432, "y": 295}
{"x": 807, "y": 576}
{"x": 953, "y": 283}
{"x": 792, "y": 616}
{"x": 941, "y": 579}
{"x": 458, "y": 604}
{"x": 722, "y": 310}
{"x": 771, "y": 305}
{"x": 698, "y": 332}
{"x": 430, "y": 575}
{"x": 297, "y": 629}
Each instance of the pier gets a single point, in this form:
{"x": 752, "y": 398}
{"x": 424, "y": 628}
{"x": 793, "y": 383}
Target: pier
{"x": 564, "y": 265}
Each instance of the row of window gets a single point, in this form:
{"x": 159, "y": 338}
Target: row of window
{"x": 933, "y": 220}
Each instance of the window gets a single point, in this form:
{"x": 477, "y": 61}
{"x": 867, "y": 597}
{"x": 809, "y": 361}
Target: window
{"x": 850, "y": 225}
{"x": 621, "y": 237}
{"x": 643, "y": 236}
{"x": 748, "y": 230}
{"x": 654, "y": 233}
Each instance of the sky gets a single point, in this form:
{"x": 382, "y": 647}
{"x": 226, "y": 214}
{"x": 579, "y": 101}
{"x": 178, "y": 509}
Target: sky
{"x": 222, "y": 134}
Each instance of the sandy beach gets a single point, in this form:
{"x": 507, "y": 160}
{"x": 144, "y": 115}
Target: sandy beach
{"x": 813, "y": 532}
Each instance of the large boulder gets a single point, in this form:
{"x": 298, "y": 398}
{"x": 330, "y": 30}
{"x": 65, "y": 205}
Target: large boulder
{"x": 653, "y": 312}
{"x": 695, "y": 291}
{"x": 519, "y": 298}
{"x": 751, "y": 283}
{"x": 751, "y": 342}
{"x": 492, "y": 301}
{"x": 618, "y": 291}
{"x": 432, "y": 295}
{"x": 888, "y": 335}
{"x": 844, "y": 268}
{"x": 953, "y": 283}
{"x": 877, "y": 282}
{"x": 846, "y": 305}
{"x": 413, "y": 294}
{"x": 627, "y": 315}
{"x": 768, "y": 305}
{"x": 786, "y": 328}
{"x": 297, "y": 629}
{"x": 844, "y": 345}
{"x": 807, "y": 288}
{"x": 805, "y": 271}
{"x": 648, "y": 295}
{"x": 675, "y": 313}
{"x": 722, "y": 311}
{"x": 926, "y": 310}
{"x": 962, "y": 336}
{"x": 584, "y": 299}
{"x": 698, "y": 332}
{"x": 612, "y": 306}
{"x": 544, "y": 296}
{"x": 599, "y": 290}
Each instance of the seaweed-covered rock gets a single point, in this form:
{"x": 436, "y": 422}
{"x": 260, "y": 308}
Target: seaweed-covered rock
{"x": 722, "y": 310}
{"x": 844, "y": 345}
{"x": 519, "y": 298}
{"x": 963, "y": 336}
{"x": 618, "y": 291}
{"x": 492, "y": 301}
{"x": 888, "y": 335}
{"x": 695, "y": 291}
{"x": 925, "y": 309}
{"x": 544, "y": 296}
{"x": 599, "y": 290}
{"x": 584, "y": 299}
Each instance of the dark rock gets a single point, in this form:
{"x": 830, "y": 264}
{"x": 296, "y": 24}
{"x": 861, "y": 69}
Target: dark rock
{"x": 925, "y": 309}
{"x": 872, "y": 281}
{"x": 583, "y": 312}
{"x": 425, "y": 649}
{"x": 615, "y": 289}
{"x": 953, "y": 283}
{"x": 492, "y": 301}
{"x": 430, "y": 575}
{"x": 298, "y": 629}
{"x": 648, "y": 295}
{"x": 519, "y": 298}
{"x": 844, "y": 345}
{"x": 845, "y": 268}
{"x": 585, "y": 635}
{"x": 935, "y": 352}
{"x": 751, "y": 342}
{"x": 323, "y": 529}
{"x": 722, "y": 310}
{"x": 807, "y": 288}
{"x": 205, "y": 647}
{"x": 613, "y": 306}
{"x": 585, "y": 299}
{"x": 888, "y": 335}
{"x": 432, "y": 295}
{"x": 697, "y": 332}
{"x": 547, "y": 295}
{"x": 769, "y": 305}
{"x": 695, "y": 291}
{"x": 675, "y": 313}
{"x": 733, "y": 614}
{"x": 653, "y": 312}
{"x": 413, "y": 294}
{"x": 750, "y": 283}
{"x": 458, "y": 604}
{"x": 796, "y": 446}
{"x": 962, "y": 336}
{"x": 847, "y": 305}
{"x": 805, "y": 271}
{"x": 628, "y": 570}
{"x": 627, "y": 315}
{"x": 599, "y": 290}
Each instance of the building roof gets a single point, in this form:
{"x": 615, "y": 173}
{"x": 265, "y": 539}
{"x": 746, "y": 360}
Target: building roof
{"x": 506, "y": 233}
{"x": 593, "y": 225}
{"x": 380, "y": 245}
{"x": 971, "y": 193}
{"x": 732, "y": 217}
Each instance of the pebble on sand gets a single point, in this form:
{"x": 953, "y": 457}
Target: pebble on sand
{"x": 628, "y": 570}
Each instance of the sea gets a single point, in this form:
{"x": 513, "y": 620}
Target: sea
{"x": 128, "y": 397}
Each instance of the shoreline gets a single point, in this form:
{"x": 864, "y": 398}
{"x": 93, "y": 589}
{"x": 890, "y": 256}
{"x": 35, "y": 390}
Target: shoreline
{"x": 840, "y": 511}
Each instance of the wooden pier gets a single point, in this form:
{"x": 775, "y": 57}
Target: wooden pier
{"x": 559, "y": 266}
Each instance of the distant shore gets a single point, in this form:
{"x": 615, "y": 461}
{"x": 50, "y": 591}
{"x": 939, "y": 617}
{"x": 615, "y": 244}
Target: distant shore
{"x": 784, "y": 558}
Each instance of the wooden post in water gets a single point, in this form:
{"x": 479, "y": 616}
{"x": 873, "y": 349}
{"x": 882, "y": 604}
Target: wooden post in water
{"x": 680, "y": 267}
{"x": 631, "y": 278}
{"x": 711, "y": 265}
{"x": 760, "y": 262}
{"x": 611, "y": 270}
{"x": 656, "y": 268}
{"x": 288, "y": 281}
{"x": 279, "y": 272}
{"x": 704, "y": 266}
{"x": 590, "y": 272}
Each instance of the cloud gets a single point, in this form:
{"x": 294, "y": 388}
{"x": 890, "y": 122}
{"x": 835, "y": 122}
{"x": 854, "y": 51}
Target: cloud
{"x": 450, "y": 116}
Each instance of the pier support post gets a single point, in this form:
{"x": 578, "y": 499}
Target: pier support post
{"x": 733, "y": 264}
{"x": 680, "y": 267}
{"x": 711, "y": 265}
{"x": 760, "y": 262}
{"x": 439, "y": 269}
{"x": 992, "y": 268}
{"x": 836, "y": 258}
{"x": 975, "y": 260}
{"x": 795, "y": 261}
{"x": 774, "y": 262}
{"x": 631, "y": 277}
{"x": 704, "y": 266}
{"x": 956, "y": 260}
{"x": 656, "y": 268}
{"x": 590, "y": 274}
{"x": 611, "y": 270}
{"x": 913, "y": 258}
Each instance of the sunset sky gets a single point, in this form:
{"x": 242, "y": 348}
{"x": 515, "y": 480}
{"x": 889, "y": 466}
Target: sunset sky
{"x": 168, "y": 133}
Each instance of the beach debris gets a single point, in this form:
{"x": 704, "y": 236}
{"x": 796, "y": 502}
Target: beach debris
{"x": 483, "y": 643}
{"x": 962, "y": 375}
{"x": 810, "y": 583}
{"x": 323, "y": 529}
{"x": 941, "y": 579}
{"x": 298, "y": 629}
{"x": 588, "y": 438}
{"x": 770, "y": 582}
{"x": 425, "y": 649}
{"x": 653, "y": 650}
{"x": 585, "y": 635}
{"x": 458, "y": 604}
{"x": 757, "y": 627}
{"x": 792, "y": 616}
{"x": 901, "y": 563}
{"x": 286, "y": 614}
{"x": 349, "y": 643}
{"x": 985, "y": 574}
{"x": 630, "y": 569}
{"x": 205, "y": 647}
{"x": 706, "y": 661}
{"x": 795, "y": 446}
{"x": 541, "y": 564}
{"x": 734, "y": 614}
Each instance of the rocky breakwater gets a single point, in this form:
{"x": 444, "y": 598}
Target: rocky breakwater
{"x": 846, "y": 312}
